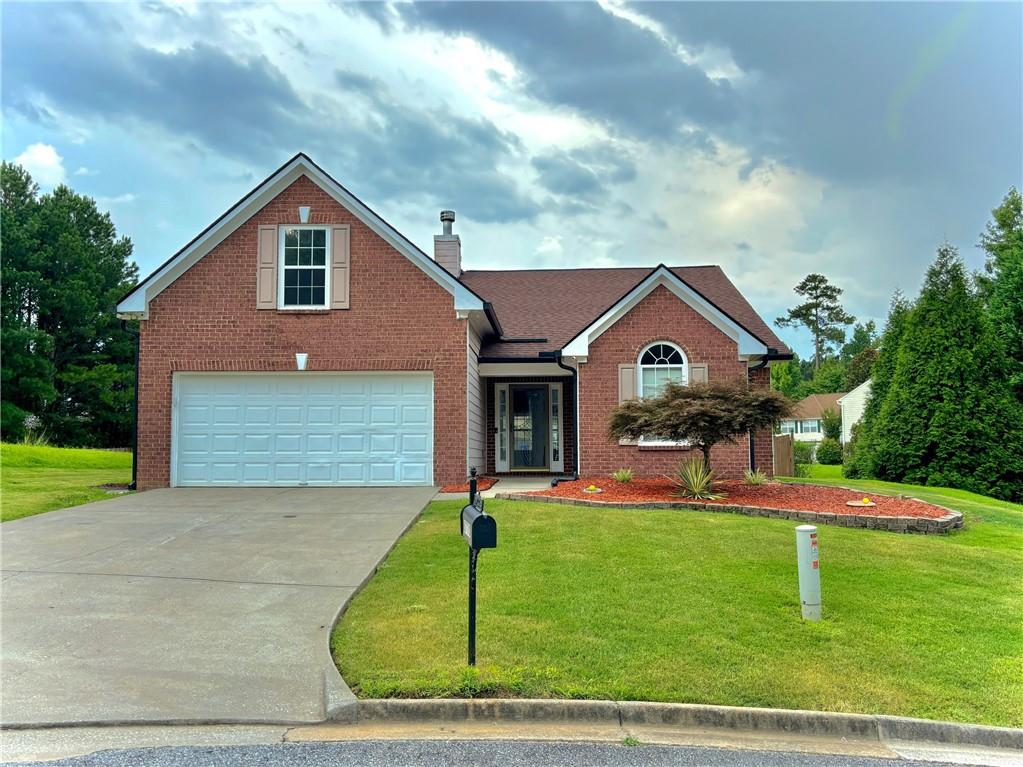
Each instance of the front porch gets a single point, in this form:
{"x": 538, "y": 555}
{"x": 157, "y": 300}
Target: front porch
{"x": 530, "y": 426}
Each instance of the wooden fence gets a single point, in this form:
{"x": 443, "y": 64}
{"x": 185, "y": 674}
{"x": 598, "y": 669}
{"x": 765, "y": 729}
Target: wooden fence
{"x": 784, "y": 456}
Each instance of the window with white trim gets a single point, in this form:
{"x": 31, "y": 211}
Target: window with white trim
{"x": 659, "y": 363}
{"x": 304, "y": 269}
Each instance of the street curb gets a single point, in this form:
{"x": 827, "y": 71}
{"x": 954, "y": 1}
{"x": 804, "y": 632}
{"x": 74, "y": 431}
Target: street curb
{"x": 953, "y": 520}
{"x": 820, "y": 724}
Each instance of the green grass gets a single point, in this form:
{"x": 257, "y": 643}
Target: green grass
{"x": 820, "y": 471}
{"x": 700, "y": 607}
{"x": 34, "y": 479}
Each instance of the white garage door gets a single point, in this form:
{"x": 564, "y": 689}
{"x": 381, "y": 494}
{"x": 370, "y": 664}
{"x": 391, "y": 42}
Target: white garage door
{"x": 303, "y": 429}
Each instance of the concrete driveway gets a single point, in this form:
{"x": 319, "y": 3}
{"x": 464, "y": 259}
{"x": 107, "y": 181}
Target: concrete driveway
{"x": 188, "y": 604}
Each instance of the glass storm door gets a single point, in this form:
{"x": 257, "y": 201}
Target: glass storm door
{"x": 530, "y": 426}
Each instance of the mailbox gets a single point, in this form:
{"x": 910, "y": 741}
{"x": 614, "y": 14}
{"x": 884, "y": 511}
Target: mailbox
{"x": 478, "y": 528}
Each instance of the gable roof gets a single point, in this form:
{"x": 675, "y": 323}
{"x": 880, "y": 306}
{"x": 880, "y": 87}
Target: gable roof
{"x": 136, "y": 301}
{"x": 556, "y": 305}
{"x": 815, "y": 405}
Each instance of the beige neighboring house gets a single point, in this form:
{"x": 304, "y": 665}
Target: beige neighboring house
{"x": 806, "y": 424}
{"x": 851, "y": 406}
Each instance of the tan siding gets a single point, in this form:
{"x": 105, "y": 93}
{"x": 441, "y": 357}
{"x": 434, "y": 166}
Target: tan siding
{"x": 475, "y": 435}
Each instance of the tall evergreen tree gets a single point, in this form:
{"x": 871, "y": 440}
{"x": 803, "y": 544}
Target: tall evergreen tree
{"x": 1003, "y": 283}
{"x": 948, "y": 417}
{"x": 62, "y": 275}
{"x": 864, "y": 336}
{"x": 26, "y": 376}
{"x": 820, "y": 313}
{"x": 862, "y": 461}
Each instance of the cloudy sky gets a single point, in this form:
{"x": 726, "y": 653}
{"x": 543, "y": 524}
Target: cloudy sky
{"x": 772, "y": 139}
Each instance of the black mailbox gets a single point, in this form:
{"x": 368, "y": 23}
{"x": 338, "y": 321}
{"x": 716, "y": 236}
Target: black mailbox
{"x": 478, "y": 528}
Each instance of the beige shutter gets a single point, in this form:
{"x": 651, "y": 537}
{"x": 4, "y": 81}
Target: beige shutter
{"x": 340, "y": 266}
{"x": 626, "y": 383}
{"x": 266, "y": 273}
{"x": 697, "y": 374}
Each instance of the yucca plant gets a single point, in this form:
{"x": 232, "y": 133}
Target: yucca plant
{"x": 692, "y": 479}
{"x": 756, "y": 477}
{"x": 622, "y": 475}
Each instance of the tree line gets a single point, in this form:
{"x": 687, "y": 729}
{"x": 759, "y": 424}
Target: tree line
{"x": 68, "y": 362}
{"x": 946, "y": 404}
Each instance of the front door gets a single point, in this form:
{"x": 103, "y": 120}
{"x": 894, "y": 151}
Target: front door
{"x": 530, "y": 427}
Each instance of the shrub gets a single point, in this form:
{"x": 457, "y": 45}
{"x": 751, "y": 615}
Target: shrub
{"x": 622, "y": 475}
{"x": 829, "y": 452}
{"x": 692, "y": 479}
{"x": 754, "y": 477}
{"x": 831, "y": 421}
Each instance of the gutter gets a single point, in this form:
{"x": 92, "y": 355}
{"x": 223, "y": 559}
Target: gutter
{"x": 556, "y": 355}
{"x": 772, "y": 354}
{"x": 135, "y": 419}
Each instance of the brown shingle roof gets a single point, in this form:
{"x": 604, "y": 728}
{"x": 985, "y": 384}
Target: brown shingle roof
{"x": 556, "y": 304}
{"x": 815, "y": 405}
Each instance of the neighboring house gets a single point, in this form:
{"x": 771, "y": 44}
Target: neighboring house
{"x": 806, "y": 424}
{"x": 300, "y": 339}
{"x": 852, "y": 406}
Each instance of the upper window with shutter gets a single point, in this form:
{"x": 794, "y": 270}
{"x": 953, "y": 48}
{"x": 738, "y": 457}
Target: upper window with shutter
{"x": 304, "y": 269}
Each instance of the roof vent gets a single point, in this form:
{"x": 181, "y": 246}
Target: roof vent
{"x": 447, "y": 218}
{"x": 447, "y": 247}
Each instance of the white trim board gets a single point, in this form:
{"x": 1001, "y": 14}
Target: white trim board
{"x": 135, "y": 305}
{"x": 662, "y": 276}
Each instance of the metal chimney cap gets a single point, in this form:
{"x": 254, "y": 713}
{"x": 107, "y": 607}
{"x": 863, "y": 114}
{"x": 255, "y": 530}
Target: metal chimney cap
{"x": 447, "y": 215}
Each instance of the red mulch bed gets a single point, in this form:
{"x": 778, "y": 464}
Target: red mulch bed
{"x": 482, "y": 483}
{"x": 772, "y": 495}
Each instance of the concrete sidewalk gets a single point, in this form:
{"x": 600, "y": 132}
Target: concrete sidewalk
{"x": 188, "y": 604}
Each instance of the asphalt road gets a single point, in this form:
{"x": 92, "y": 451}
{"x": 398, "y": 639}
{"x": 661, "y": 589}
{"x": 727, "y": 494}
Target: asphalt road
{"x": 467, "y": 753}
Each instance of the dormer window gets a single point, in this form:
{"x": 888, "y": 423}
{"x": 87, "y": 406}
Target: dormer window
{"x": 304, "y": 271}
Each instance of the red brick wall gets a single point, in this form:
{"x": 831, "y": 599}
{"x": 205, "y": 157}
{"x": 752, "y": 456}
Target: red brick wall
{"x": 763, "y": 441}
{"x": 207, "y": 320}
{"x": 661, "y": 316}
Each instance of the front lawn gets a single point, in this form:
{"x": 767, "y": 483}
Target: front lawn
{"x": 699, "y": 607}
{"x": 35, "y": 479}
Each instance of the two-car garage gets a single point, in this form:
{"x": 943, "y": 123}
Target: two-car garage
{"x": 302, "y": 428}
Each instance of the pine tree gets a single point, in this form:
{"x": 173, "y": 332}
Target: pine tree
{"x": 862, "y": 457}
{"x": 948, "y": 417}
{"x": 821, "y": 314}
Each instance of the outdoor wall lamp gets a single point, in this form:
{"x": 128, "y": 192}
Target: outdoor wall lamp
{"x": 301, "y": 359}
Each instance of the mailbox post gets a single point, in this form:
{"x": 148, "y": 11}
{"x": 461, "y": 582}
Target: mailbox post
{"x": 480, "y": 532}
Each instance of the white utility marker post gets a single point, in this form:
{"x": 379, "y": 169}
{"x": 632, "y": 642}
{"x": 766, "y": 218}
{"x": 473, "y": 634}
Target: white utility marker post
{"x": 808, "y": 557}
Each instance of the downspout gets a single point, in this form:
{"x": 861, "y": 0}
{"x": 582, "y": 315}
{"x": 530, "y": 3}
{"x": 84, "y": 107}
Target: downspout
{"x": 575, "y": 387}
{"x": 135, "y": 419}
{"x": 752, "y": 453}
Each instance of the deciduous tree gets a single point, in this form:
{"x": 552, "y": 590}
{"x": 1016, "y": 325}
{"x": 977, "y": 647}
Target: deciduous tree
{"x": 701, "y": 414}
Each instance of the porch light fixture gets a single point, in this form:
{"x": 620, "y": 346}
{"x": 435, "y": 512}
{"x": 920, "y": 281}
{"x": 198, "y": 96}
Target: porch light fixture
{"x": 303, "y": 214}
{"x": 301, "y": 359}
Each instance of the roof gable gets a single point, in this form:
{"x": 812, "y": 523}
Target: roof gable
{"x": 136, "y": 302}
{"x": 551, "y": 306}
{"x": 661, "y": 276}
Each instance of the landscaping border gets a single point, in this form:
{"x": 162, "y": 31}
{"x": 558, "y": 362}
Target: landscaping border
{"x": 953, "y": 520}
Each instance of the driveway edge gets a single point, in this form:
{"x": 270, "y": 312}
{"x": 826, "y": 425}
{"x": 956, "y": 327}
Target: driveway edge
{"x": 880, "y": 728}
{"x": 339, "y": 702}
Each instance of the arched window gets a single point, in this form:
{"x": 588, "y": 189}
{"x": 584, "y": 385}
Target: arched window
{"x": 659, "y": 363}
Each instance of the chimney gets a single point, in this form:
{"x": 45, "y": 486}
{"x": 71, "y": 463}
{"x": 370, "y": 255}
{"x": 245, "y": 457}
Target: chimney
{"x": 447, "y": 248}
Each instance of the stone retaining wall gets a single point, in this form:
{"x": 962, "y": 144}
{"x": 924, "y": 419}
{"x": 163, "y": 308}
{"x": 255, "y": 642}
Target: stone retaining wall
{"x": 952, "y": 520}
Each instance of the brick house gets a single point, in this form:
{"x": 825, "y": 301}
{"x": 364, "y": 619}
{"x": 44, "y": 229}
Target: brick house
{"x": 301, "y": 339}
